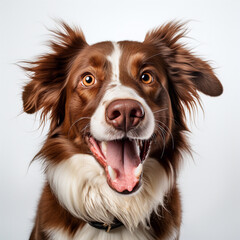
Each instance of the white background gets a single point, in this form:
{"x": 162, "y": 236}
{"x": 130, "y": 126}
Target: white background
{"x": 209, "y": 183}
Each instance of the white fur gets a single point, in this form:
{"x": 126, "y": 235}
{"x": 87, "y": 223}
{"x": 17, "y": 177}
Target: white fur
{"x": 90, "y": 233}
{"x": 57, "y": 234}
{"x": 173, "y": 235}
{"x": 114, "y": 59}
{"x": 81, "y": 187}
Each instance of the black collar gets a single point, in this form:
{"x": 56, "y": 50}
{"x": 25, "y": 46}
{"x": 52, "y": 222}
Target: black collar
{"x": 107, "y": 227}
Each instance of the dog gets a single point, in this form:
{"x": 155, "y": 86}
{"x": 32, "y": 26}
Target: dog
{"x": 117, "y": 133}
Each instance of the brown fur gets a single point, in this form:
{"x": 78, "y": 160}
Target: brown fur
{"x": 54, "y": 89}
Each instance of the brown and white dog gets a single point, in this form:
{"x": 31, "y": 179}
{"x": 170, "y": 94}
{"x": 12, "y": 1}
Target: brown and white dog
{"x": 116, "y": 135}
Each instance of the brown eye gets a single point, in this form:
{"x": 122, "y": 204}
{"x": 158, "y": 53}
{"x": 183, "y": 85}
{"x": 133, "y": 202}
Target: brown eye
{"x": 146, "y": 78}
{"x": 88, "y": 80}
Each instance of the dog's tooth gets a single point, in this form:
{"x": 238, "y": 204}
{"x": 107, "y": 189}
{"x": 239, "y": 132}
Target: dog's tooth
{"x": 136, "y": 143}
{"x": 138, "y": 170}
{"x": 104, "y": 148}
{"x": 112, "y": 173}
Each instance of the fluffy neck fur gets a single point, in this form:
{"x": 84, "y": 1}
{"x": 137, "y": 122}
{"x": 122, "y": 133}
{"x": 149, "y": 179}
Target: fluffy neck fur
{"x": 80, "y": 186}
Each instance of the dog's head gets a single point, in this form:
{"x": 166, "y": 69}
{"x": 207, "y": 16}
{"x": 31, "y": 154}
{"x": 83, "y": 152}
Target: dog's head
{"x": 118, "y": 101}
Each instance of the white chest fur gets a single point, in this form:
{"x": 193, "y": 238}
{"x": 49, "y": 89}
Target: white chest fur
{"x": 80, "y": 185}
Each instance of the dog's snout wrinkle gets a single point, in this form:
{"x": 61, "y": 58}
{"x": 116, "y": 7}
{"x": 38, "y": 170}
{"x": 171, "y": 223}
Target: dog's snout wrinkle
{"x": 124, "y": 114}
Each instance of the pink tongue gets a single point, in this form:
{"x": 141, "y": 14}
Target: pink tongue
{"x": 122, "y": 156}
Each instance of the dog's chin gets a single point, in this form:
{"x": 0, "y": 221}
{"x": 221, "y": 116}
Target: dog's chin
{"x": 122, "y": 161}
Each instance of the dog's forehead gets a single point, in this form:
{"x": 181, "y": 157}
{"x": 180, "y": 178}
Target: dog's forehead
{"x": 117, "y": 59}
{"x": 122, "y": 53}
{"x": 104, "y": 48}
{"x": 126, "y": 47}
{"x": 125, "y": 57}
{"x": 129, "y": 52}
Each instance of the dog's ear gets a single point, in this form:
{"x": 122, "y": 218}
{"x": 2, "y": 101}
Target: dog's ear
{"x": 187, "y": 72}
{"x": 48, "y": 74}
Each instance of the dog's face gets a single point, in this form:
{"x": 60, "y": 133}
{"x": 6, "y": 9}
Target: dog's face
{"x": 119, "y": 101}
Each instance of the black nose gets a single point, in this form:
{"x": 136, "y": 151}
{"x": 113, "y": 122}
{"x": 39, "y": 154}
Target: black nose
{"x": 124, "y": 114}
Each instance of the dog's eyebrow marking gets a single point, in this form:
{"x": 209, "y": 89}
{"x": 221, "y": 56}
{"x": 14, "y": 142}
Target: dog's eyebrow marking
{"x": 135, "y": 62}
{"x": 114, "y": 59}
{"x": 96, "y": 61}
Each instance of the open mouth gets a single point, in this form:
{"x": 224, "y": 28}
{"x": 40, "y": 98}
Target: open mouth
{"x": 122, "y": 161}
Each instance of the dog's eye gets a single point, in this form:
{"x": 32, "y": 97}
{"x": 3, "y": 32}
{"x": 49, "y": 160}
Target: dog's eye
{"x": 88, "y": 80}
{"x": 146, "y": 78}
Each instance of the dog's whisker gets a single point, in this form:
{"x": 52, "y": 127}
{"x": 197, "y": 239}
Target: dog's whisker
{"x": 162, "y": 130}
{"x": 169, "y": 117}
{"x": 161, "y": 110}
{"x": 168, "y": 130}
{"x": 159, "y": 130}
{"x": 155, "y": 55}
{"x": 83, "y": 130}
{"x": 82, "y": 118}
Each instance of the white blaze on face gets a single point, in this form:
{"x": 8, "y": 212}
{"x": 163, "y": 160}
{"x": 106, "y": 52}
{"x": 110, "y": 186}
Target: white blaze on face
{"x": 114, "y": 59}
{"x": 99, "y": 128}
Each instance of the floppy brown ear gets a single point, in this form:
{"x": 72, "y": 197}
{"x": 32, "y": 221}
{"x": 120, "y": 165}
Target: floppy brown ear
{"x": 186, "y": 71}
{"x": 48, "y": 74}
